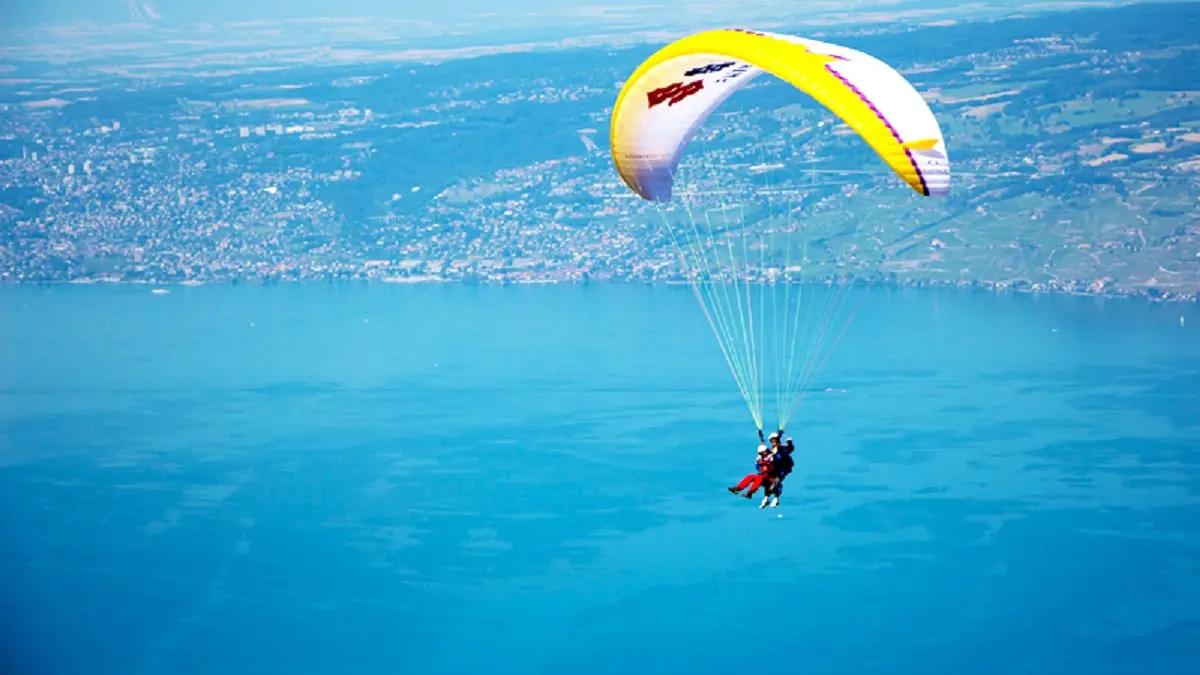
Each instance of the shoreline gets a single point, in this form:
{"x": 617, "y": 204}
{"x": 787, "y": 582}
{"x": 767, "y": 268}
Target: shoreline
{"x": 1159, "y": 297}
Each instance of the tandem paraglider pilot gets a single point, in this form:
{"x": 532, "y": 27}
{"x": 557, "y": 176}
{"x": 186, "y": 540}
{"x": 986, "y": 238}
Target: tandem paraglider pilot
{"x": 771, "y": 466}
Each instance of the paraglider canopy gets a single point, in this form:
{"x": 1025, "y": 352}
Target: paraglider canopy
{"x": 674, "y": 91}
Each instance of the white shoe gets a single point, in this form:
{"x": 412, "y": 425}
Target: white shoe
{"x": 765, "y": 500}
{"x": 775, "y": 503}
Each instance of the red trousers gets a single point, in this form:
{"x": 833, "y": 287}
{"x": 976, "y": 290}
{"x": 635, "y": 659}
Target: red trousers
{"x": 754, "y": 480}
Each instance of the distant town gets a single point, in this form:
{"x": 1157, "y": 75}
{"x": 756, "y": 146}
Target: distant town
{"x": 1075, "y": 151}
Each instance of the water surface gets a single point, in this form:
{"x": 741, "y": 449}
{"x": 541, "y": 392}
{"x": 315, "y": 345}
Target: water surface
{"x": 354, "y": 478}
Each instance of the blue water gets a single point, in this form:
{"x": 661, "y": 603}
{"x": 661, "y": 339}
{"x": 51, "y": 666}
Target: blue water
{"x": 411, "y": 479}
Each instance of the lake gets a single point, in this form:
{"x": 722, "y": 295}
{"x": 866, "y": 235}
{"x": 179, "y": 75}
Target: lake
{"x": 371, "y": 478}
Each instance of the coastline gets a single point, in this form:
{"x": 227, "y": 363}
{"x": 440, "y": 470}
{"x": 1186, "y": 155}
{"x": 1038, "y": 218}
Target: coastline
{"x": 1152, "y": 295}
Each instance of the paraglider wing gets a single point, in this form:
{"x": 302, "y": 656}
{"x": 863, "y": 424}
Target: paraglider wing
{"x": 674, "y": 91}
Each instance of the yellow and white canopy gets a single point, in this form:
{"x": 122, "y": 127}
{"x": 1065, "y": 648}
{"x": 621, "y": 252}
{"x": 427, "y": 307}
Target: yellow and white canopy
{"x": 674, "y": 91}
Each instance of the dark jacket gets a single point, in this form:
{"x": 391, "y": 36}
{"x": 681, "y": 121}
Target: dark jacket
{"x": 783, "y": 463}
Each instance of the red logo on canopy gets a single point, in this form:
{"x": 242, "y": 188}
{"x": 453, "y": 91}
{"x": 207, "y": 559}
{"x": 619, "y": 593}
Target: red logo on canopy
{"x": 673, "y": 93}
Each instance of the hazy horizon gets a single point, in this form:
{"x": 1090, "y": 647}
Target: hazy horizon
{"x": 27, "y": 14}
